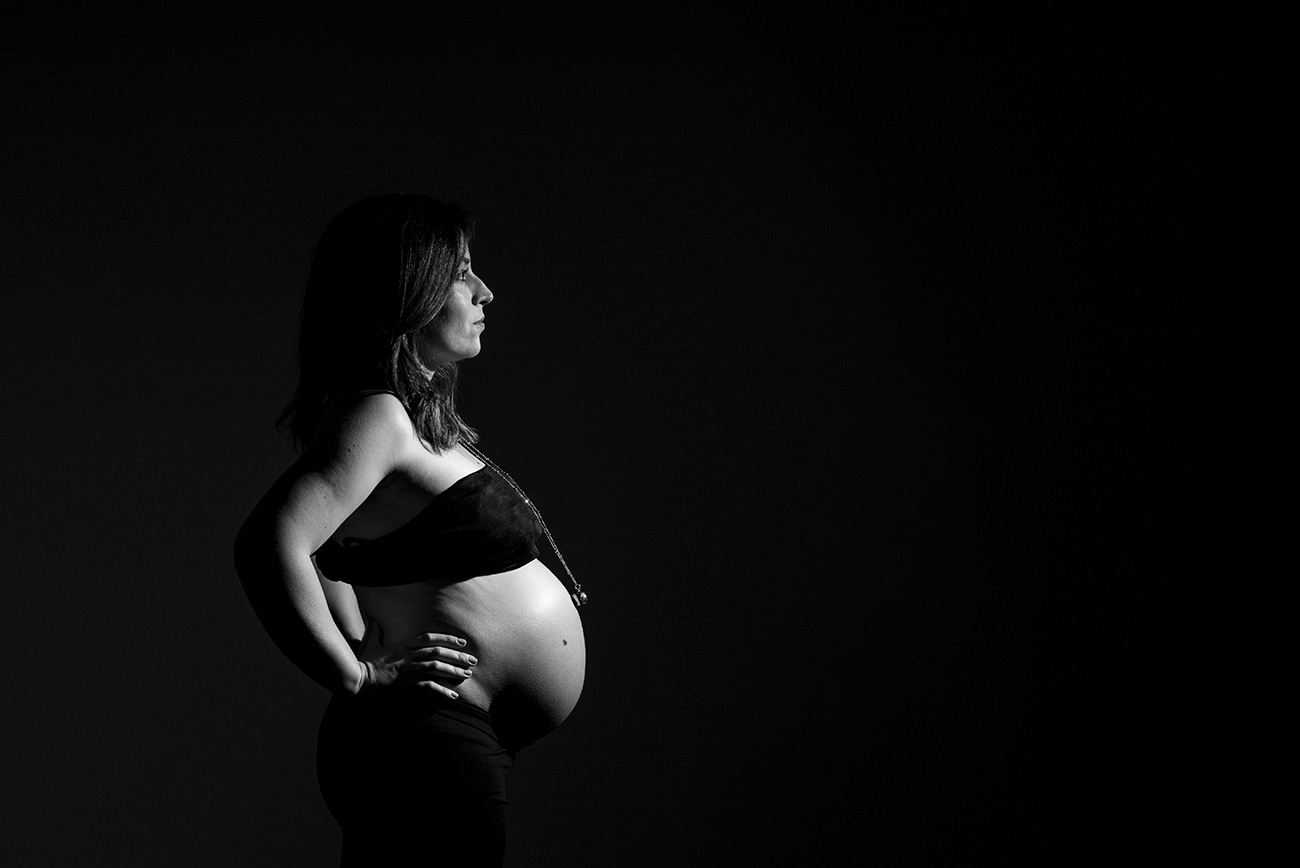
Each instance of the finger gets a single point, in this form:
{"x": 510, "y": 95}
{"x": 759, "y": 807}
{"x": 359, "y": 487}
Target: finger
{"x": 445, "y": 670}
{"x": 438, "y": 688}
{"x": 444, "y": 654}
{"x": 425, "y": 639}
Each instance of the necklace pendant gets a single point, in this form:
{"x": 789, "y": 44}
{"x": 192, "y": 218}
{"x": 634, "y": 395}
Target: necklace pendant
{"x": 579, "y": 598}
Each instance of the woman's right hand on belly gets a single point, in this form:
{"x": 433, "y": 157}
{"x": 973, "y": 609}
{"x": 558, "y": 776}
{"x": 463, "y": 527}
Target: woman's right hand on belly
{"x": 430, "y": 661}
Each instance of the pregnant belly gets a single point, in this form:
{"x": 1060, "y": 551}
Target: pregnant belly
{"x": 521, "y": 625}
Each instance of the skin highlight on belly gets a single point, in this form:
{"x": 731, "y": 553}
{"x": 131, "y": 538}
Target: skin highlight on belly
{"x": 521, "y": 625}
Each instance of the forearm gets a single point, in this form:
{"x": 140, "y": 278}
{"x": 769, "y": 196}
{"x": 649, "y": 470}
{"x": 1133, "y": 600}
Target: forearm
{"x": 286, "y": 595}
{"x": 342, "y": 601}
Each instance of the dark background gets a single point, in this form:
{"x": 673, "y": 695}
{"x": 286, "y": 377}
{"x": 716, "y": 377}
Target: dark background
{"x": 868, "y": 371}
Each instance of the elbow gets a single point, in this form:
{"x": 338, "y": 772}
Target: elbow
{"x": 263, "y": 549}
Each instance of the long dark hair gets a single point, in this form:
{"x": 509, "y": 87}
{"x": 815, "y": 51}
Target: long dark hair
{"x": 380, "y": 272}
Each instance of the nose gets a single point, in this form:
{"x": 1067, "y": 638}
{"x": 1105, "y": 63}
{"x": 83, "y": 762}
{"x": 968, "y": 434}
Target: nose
{"x": 483, "y": 295}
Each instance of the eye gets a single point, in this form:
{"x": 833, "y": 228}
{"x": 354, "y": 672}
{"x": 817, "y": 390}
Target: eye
{"x": 463, "y": 274}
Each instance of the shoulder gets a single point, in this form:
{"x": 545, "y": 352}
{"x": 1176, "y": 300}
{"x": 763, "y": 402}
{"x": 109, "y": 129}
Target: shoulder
{"x": 359, "y": 442}
{"x": 373, "y": 424}
{"x": 373, "y": 410}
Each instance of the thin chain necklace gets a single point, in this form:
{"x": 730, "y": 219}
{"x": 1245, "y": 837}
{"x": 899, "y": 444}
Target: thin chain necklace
{"x": 579, "y": 598}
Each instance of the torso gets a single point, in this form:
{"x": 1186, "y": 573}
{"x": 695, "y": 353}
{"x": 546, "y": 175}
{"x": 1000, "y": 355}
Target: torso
{"x": 521, "y": 625}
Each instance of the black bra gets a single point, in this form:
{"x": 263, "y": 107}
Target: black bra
{"x": 477, "y": 527}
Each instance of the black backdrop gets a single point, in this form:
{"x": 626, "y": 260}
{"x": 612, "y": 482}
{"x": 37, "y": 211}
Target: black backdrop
{"x": 858, "y": 365}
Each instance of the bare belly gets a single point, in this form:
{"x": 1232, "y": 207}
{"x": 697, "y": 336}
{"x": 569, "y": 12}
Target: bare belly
{"x": 521, "y": 625}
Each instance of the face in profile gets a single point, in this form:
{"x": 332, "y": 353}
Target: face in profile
{"x": 456, "y": 331}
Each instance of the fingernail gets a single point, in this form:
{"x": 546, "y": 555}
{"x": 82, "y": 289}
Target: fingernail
{"x": 461, "y": 642}
{"x": 468, "y": 674}
{"x": 473, "y": 661}
{"x": 455, "y": 695}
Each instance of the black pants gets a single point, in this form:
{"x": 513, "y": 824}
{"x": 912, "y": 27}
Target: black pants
{"x": 414, "y": 778}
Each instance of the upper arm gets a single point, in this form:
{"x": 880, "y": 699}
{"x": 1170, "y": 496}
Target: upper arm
{"x": 352, "y": 453}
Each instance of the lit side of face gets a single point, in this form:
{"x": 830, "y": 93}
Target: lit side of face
{"x": 456, "y": 332}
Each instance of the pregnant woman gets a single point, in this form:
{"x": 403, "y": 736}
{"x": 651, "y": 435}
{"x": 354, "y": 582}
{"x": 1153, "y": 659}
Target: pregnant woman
{"x": 394, "y": 563}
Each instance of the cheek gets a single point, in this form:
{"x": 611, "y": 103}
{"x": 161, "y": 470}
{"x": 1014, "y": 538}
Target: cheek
{"x": 441, "y": 332}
